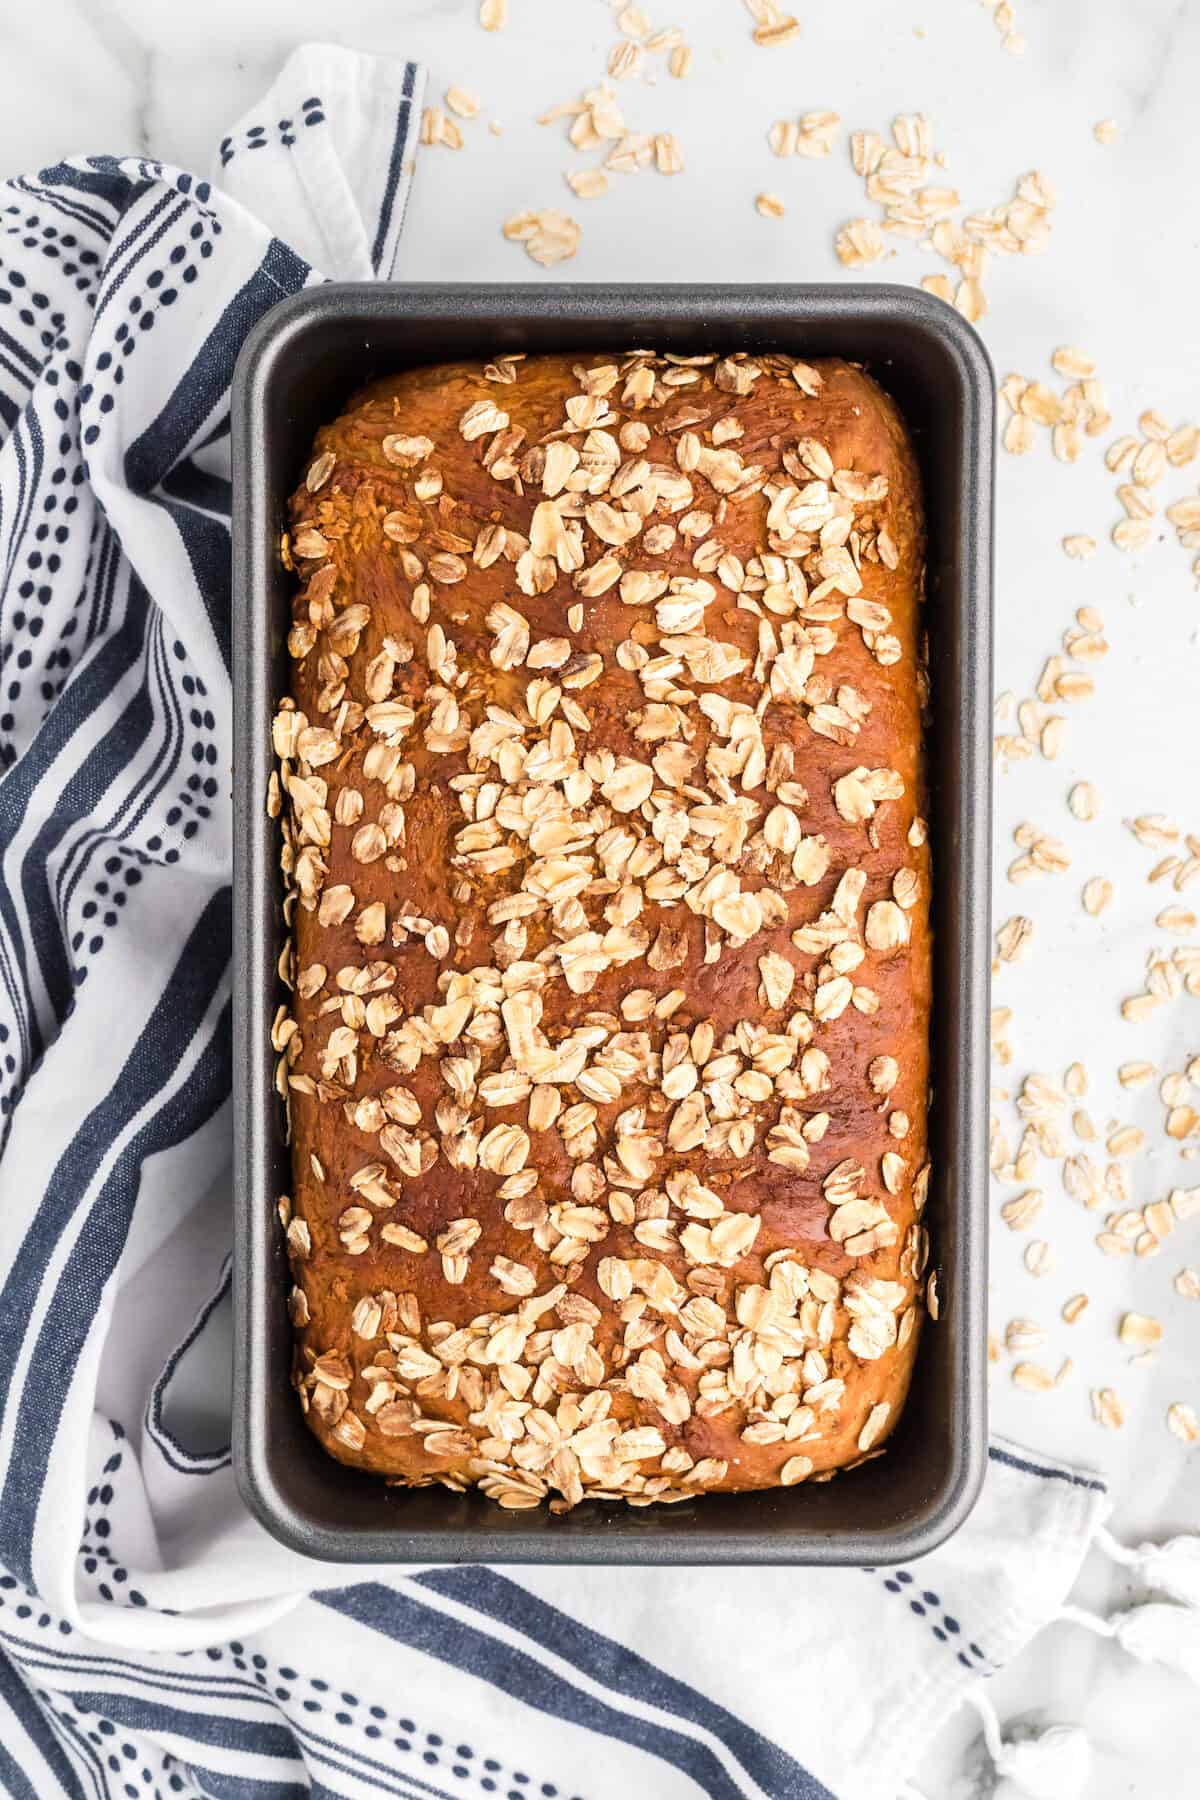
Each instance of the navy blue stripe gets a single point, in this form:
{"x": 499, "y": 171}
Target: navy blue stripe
{"x": 13, "y": 1783}
{"x": 10, "y": 412}
{"x": 78, "y": 800}
{"x": 17, "y": 348}
{"x": 75, "y": 210}
{"x": 178, "y": 1015}
{"x": 178, "y": 1455}
{"x": 220, "y": 1786}
{"x": 399, "y": 1614}
{"x": 26, "y": 382}
{"x": 86, "y": 1753}
{"x": 281, "y": 1739}
{"x": 1031, "y": 1468}
{"x": 137, "y": 241}
{"x": 62, "y": 1662}
{"x": 399, "y": 145}
{"x": 253, "y": 1737}
{"x": 204, "y": 388}
{"x": 119, "y": 826}
{"x": 199, "y": 488}
{"x": 29, "y": 447}
{"x": 102, "y": 179}
{"x": 21, "y": 1704}
{"x": 621, "y": 1670}
{"x": 220, "y": 431}
{"x": 366, "y": 1768}
{"x": 205, "y": 384}
{"x": 19, "y": 781}
{"x": 105, "y": 585}
{"x": 206, "y": 543}
{"x": 89, "y": 1761}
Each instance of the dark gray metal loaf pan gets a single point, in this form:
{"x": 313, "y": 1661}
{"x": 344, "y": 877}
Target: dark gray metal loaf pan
{"x": 297, "y": 369}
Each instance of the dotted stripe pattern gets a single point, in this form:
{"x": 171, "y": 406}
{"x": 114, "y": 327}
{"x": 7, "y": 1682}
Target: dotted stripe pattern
{"x": 925, "y": 1604}
{"x": 284, "y": 131}
{"x": 147, "y": 1772}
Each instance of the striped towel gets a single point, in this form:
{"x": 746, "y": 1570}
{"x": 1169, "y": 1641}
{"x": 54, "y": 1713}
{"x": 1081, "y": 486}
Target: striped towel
{"x": 153, "y": 1639}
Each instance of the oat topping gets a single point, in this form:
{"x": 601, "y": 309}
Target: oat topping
{"x": 598, "y": 885}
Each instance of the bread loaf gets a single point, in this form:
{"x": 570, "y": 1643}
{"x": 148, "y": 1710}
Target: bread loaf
{"x": 606, "y": 1052}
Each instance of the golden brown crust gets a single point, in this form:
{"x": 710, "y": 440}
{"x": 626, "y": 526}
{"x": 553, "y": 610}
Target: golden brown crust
{"x": 607, "y": 1061}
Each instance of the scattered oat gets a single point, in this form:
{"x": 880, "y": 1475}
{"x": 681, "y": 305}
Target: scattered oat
{"x": 1039, "y": 1257}
{"x": 1014, "y": 938}
{"x": 549, "y": 236}
{"x": 1138, "y": 1332}
{"x": 1097, "y": 894}
{"x": 1079, "y": 547}
{"x": 1105, "y": 131}
{"x": 769, "y": 205}
{"x": 624, "y": 59}
{"x": 1132, "y": 534}
{"x": 1073, "y": 363}
{"x": 1019, "y": 1213}
{"x": 1021, "y": 1335}
{"x": 1107, "y": 1409}
{"x": 1001, "y": 1019}
{"x": 1187, "y": 1283}
{"x": 462, "y": 102}
{"x": 1183, "y": 1423}
{"x": 1154, "y": 829}
{"x": 811, "y": 136}
{"x": 1074, "y": 1308}
{"x": 679, "y": 62}
{"x": 668, "y": 157}
{"x": 1054, "y": 733}
{"x": 587, "y": 184}
{"x": 1032, "y": 1377}
{"x": 859, "y": 244}
{"x": 1083, "y": 801}
{"x": 772, "y": 25}
{"x": 437, "y": 128}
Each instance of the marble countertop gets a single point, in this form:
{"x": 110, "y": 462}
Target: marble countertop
{"x": 1119, "y": 278}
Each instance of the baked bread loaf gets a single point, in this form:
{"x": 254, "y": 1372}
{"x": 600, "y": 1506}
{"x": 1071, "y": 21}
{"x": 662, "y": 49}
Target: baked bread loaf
{"x": 600, "y": 788}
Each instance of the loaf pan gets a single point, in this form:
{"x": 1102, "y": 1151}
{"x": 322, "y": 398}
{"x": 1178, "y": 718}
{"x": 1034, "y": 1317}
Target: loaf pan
{"x": 297, "y": 369}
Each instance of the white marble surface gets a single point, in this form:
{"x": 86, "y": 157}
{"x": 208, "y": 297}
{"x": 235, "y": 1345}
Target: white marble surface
{"x": 1120, "y": 278}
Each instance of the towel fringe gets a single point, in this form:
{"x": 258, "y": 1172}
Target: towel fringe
{"x": 1172, "y": 1568}
{"x": 1159, "y": 1632}
{"x": 1053, "y": 1764}
{"x": 1046, "y": 1765}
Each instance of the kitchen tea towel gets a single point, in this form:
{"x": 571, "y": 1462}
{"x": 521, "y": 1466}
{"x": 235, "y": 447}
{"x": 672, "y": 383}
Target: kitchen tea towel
{"x": 153, "y": 1639}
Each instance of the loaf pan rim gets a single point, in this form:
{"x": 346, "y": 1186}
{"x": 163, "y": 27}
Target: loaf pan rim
{"x": 608, "y": 1539}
